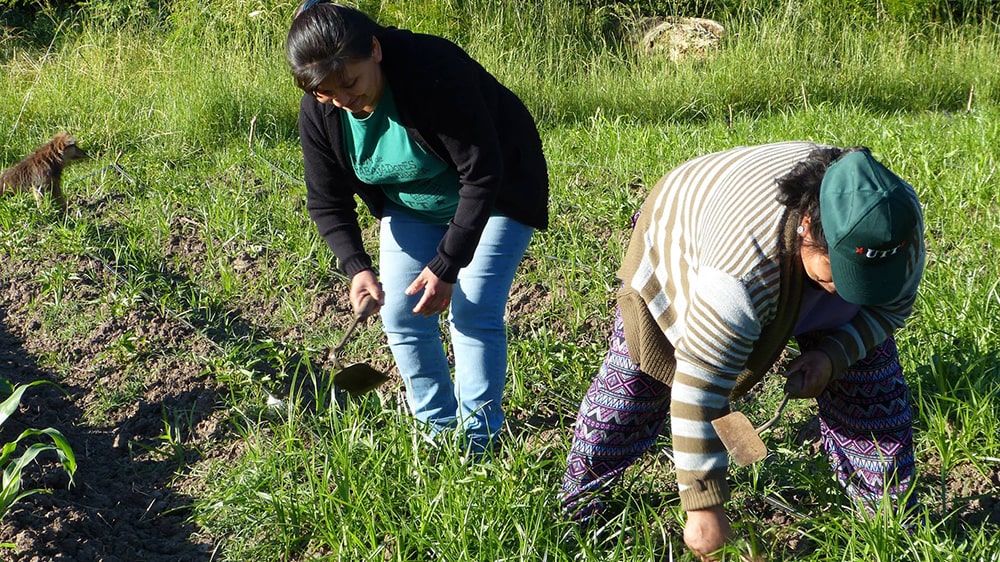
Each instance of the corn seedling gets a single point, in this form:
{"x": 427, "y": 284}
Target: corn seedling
{"x": 13, "y": 463}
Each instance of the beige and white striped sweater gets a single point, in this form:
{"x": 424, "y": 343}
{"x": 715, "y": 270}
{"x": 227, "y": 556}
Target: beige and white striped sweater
{"x": 706, "y": 263}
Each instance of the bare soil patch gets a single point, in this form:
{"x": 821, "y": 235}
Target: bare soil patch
{"x": 129, "y": 500}
{"x": 138, "y": 404}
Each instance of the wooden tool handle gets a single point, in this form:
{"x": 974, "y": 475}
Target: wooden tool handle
{"x": 366, "y": 308}
{"x": 770, "y": 422}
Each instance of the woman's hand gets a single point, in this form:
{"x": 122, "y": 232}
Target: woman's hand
{"x": 706, "y": 531}
{"x": 808, "y": 374}
{"x": 437, "y": 293}
{"x": 364, "y": 283}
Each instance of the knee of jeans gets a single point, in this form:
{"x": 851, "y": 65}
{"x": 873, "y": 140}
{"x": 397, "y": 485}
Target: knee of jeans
{"x": 408, "y": 326}
{"x": 490, "y": 304}
{"x": 472, "y": 321}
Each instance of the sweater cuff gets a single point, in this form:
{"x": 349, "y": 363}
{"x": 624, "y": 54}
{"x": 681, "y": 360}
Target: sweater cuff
{"x": 704, "y": 493}
{"x": 356, "y": 264}
{"x": 838, "y": 360}
{"x": 444, "y": 271}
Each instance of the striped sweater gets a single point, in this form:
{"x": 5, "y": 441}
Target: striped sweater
{"x": 712, "y": 285}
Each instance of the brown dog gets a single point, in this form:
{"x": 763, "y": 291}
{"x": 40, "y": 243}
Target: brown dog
{"x": 42, "y": 171}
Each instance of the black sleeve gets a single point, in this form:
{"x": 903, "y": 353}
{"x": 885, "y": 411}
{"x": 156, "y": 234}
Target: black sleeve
{"x": 329, "y": 195}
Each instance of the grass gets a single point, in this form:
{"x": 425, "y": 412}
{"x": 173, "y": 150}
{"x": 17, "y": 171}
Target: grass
{"x": 196, "y": 107}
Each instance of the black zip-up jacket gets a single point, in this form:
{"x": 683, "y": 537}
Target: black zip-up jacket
{"x": 455, "y": 110}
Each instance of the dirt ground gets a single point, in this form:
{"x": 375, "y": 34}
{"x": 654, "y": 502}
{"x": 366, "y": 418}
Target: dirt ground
{"x": 132, "y": 496}
{"x": 127, "y": 502}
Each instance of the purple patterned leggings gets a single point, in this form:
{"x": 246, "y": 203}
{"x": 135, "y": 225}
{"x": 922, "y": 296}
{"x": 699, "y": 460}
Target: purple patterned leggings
{"x": 865, "y": 422}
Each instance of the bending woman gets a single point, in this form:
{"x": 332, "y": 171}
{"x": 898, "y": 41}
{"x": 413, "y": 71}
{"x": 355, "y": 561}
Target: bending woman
{"x": 733, "y": 254}
{"x": 450, "y": 161}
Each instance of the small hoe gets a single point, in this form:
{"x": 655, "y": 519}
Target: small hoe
{"x": 741, "y": 439}
{"x": 359, "y": 378}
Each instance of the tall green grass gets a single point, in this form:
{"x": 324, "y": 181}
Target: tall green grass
{"x": 194, "y": 102}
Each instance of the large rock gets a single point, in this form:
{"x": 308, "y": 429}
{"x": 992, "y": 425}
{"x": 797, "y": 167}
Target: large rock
{"x": 679, "y": 37}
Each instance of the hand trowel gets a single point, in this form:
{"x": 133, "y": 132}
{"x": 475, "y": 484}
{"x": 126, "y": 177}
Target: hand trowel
{"x": 359, "y": 378}
{"x": 741, "y": 439}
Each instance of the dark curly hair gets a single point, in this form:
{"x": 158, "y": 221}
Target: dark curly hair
{"x": 798, "y": 190}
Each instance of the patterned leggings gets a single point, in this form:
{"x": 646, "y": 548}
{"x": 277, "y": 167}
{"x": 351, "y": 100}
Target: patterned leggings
{"x": 865, "y": 421}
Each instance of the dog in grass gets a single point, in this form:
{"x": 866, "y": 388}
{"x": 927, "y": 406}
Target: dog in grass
{"x": 41, "y": 172}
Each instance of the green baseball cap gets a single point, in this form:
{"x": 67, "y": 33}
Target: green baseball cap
{"x": 873, "y": 225}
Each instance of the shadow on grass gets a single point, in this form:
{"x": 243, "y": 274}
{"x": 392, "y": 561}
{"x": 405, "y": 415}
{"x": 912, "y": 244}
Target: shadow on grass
{"x": 120, "y": 508}
{"x": 139, "y": 407}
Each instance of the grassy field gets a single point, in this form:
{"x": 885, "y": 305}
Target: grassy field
{"x": 194, "y": 198}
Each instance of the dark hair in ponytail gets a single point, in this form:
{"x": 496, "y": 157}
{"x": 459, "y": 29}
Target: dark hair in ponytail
{"x": 324, "y": 37}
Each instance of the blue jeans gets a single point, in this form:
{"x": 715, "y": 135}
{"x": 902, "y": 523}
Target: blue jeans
{"x": 476, "y": 323}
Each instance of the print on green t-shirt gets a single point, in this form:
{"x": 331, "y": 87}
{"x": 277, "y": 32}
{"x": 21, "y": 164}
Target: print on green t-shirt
{"x": 383, "y": 154}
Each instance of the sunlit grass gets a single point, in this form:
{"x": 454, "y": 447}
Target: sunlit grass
{"x": 204, "y": 218}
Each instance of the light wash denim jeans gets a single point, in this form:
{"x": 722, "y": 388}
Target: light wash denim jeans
{"x": 472, "y": 400}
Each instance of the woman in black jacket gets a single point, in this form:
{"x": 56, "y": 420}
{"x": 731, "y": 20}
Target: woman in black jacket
{"x": 451, "y": 163}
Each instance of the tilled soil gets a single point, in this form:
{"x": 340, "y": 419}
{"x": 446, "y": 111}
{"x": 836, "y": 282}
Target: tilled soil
{"x": 128, "y": 501}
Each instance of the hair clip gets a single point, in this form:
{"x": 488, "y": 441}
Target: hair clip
{"x": 310, "y": 4}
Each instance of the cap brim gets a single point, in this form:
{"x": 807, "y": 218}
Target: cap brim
{"x": 870, "y": 284}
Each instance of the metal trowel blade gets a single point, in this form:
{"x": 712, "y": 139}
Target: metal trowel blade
{"x": 740, "y": 438}
{"x": 359, "y": 379}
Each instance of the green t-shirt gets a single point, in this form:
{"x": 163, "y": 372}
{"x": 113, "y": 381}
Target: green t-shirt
{"x": 383, "y": 154}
